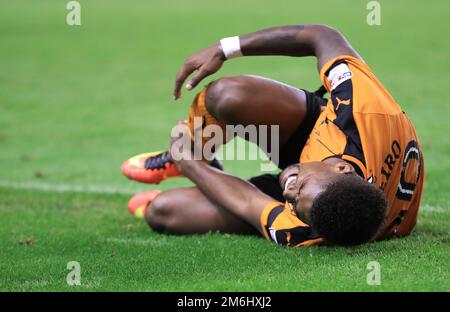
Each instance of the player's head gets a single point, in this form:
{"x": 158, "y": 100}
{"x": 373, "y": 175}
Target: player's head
{"x": 329, "y": 195}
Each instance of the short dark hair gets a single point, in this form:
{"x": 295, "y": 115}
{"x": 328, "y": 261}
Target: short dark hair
{"x": 350, "y": 211}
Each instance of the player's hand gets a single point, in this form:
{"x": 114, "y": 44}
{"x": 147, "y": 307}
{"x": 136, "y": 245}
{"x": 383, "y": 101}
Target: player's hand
{"x": 206, "y": 62}
{"x": 180, "y": 143}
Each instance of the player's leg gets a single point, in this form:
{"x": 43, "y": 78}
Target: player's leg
{"x": 240, "y": 100}
{"x": 188, "y": 211}
{"x": 252, "y": 100}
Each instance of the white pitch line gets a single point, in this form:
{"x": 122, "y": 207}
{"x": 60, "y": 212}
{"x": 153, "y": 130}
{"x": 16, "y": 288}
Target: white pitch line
{"x": 92, "y": 189}
{"x": 64, "y": 188}
{"x": 429, "y": 208}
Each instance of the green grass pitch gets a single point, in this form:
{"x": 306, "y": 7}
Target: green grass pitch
{"x": 76, "y": 101}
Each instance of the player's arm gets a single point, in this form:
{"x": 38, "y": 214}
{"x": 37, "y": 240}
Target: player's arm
{"x": 232, "y": 193}
{"x": 320, "y": 41}
{"x": 296, "y": 40}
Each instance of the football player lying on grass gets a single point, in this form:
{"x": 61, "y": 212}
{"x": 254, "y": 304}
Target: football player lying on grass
{"x": 352, "y": 167}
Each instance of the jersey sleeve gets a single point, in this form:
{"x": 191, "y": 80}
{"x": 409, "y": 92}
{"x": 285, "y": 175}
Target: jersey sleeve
{"x": 340, "y": 69}
{"x": 351, "y": 82}
{"x": 280, "y": 225}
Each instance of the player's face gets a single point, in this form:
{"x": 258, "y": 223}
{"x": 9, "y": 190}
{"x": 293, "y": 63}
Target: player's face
{"x": 301, "y": 184}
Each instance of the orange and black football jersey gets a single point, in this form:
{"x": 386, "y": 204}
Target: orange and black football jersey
{"x": 363, "y": 125}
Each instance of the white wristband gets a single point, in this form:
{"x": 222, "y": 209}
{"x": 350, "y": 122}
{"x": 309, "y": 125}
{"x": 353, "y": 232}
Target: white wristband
{"x": 231, "y": 47}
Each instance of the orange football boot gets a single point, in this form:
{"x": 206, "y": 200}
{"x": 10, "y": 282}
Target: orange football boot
{"x": 138, "y": 204}
{"x": 150, "y": 167}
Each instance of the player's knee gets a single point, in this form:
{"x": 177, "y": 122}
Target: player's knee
{"x": 224, "y": 98}
{"x": 159, "y": 213}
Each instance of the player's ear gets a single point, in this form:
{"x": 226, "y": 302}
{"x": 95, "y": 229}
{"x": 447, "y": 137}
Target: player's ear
{"x": 343, "y": 167}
